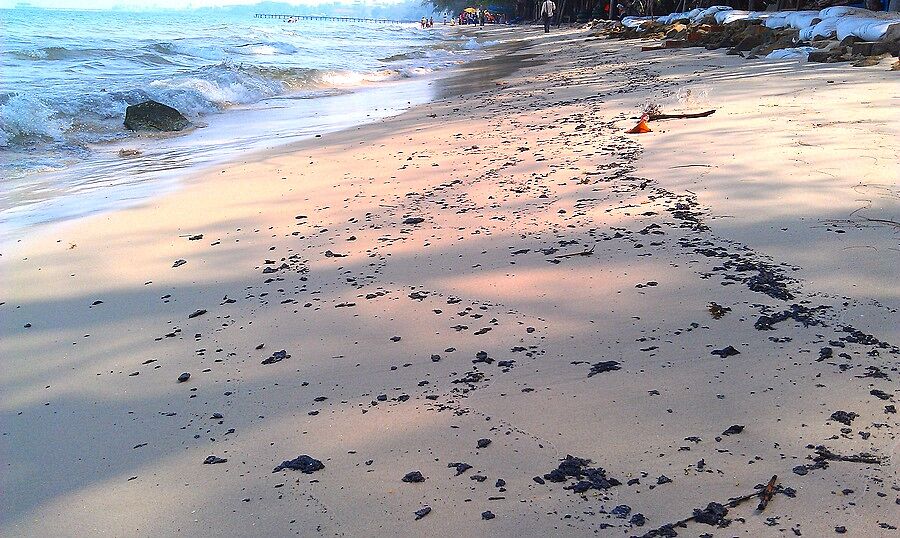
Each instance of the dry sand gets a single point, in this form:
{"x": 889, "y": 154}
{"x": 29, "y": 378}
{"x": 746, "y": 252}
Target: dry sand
{"x": 747, "y": 208}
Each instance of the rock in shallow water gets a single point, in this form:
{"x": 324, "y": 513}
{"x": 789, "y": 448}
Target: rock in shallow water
{"x": 153, "y": 116}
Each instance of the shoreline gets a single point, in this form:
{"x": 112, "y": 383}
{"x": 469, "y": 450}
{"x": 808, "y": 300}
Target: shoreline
{"x": 407, "y": 341}
{"x": 111, "y": 182}
{"x": 108, "y": 181}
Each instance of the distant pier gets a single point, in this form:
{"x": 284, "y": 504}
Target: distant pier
{"x": 326, "y": 18}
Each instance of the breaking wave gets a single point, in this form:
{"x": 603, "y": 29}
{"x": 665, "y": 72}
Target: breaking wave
{"x": 27, "y": 117}
{"x": 71, "y": 92}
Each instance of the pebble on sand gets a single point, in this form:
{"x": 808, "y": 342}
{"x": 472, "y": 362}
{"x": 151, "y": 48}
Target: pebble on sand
{"x": 303, "y": 463}
{"x": 413, "y": 476}
{"x": 734, "y": 429}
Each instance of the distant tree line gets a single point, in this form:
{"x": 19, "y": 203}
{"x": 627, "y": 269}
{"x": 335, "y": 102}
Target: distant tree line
{"x": 569, "y": 10}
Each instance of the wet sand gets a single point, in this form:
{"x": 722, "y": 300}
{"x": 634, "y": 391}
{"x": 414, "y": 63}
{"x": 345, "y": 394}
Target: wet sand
{"x": 505, "y": 265}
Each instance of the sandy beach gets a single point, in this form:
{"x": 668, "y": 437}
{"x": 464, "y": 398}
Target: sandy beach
{"x": 475, "y": 290}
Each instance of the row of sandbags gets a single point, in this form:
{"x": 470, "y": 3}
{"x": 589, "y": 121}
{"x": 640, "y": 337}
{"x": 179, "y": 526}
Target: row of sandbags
{"x": 837, "y": 21}
{"x": 840, "y": 22}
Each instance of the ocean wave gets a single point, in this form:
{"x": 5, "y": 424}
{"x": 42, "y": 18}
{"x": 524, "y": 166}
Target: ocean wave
{"x": 412, "y": 55}
{"x": 81, "y": 119}
{"x": 25, "y": 117}
{"x": 354, "y": 78}
{"x": 474, "y": 44}
{"x": 270, "y": 48}
{"x": 59, "y": 53}
{"x": 192, "y": 48}
{"x": 151, "y": 56}
{"x": 214, "y": 88}
{"x": 67, "y": 94}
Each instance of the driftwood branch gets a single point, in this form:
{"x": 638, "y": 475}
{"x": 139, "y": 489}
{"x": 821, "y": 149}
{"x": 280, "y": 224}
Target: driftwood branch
{"x": 882, "y": 221}
{"x": 823, "y": 453}
{"x": 654, "y": 117}
{"x": 767, "y": 493}
{"x": 582, "y": 253}
{"x": 863, "y": 222}
{"x": 764, "y": 494}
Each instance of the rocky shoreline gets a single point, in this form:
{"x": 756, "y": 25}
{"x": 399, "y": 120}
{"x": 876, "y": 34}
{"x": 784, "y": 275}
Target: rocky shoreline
{"x": 753, "y": 39}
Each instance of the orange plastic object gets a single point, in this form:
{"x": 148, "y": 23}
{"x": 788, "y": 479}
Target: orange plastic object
{"x": 641, "y": 127}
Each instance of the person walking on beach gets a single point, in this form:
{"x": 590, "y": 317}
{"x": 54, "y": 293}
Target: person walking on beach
{"x": 548, "y": 8}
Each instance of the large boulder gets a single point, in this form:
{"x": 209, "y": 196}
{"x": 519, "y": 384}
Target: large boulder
{"x": 781, "y": 39}
{"x": 753, "y": 36}
{"x": 153, "y": 116}
{"x": 830, "y": 56}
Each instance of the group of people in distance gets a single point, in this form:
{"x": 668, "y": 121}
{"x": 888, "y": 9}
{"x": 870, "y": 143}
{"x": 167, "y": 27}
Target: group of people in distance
{"x": 427, "y": 23}
{"x": 480, "y": 17}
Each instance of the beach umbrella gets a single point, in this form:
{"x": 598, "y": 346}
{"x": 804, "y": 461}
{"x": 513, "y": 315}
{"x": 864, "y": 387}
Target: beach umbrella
{"x": 469, "y": 10}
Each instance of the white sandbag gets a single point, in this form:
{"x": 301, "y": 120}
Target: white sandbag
{"x": 664, "y": 19}
{"x": 777, "y": 20}
{"x": 825, "y": 28}
{"x": 694, "y": 12}
{"x": 672, "y": 17}
{"x": 731, "y": 15}
{"x": 842, "y": 11}
{"x": 869, "y": 28}
{"x": 712, "y": 10}
{"x": 793, "y": 19}
{"x": 636, "y": 22}
{"x": 802, "y": 19}
{"x": 728, "y": 17}
{"x": 790, "y": 54}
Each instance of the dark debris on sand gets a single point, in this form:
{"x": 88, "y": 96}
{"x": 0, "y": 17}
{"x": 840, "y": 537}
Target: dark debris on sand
{"x": 305, "y": 464}
{"x": 587, "y": 477}
{"x": 278, "y": 356}
{"x": 603, "y": 367}
{"x": 413, "y": 477}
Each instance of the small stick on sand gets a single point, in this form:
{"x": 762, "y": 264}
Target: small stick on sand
{"x": 582, "y": 253}
{"x": 767, "y": 493}
{"x": 823, "y": 453}
{"x": 654, "y": 117}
